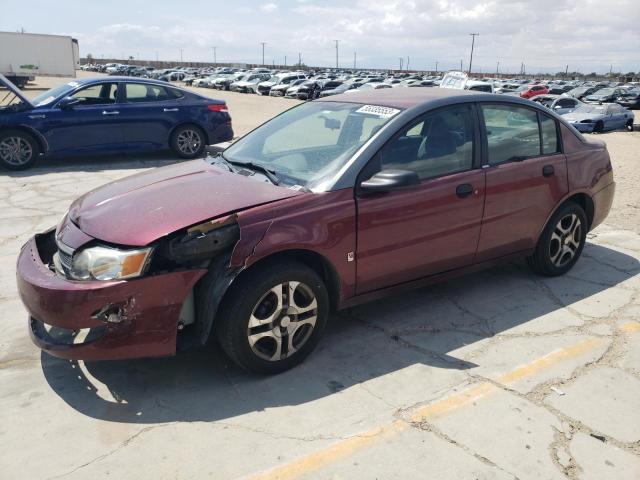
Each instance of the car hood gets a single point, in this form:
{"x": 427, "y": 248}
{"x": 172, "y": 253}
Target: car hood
{"x": 4, "y": 81}
{"x": 139, "y": 209}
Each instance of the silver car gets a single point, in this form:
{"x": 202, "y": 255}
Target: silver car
{"x": 558, "y": 103}
{"x": 598, "y": 118}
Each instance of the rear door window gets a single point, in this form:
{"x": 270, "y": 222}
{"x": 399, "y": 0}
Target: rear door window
{"x": 512, "y": 133}
{"x": 141, "y": 93}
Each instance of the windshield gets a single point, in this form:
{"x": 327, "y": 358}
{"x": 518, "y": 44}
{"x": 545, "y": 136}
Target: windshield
{"x": 310, "y": 143}
{"x": 50, "y": 95}
{"x": 590, "y": 109}
{"x": 522, "y": 88}
{"x": 604, "y": 91}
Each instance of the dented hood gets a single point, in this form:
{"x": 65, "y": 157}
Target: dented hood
{"x": 139, "y": 209}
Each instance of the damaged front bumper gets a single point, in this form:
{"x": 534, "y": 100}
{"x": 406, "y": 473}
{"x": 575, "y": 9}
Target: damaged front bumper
{"x": 100, "y": 320}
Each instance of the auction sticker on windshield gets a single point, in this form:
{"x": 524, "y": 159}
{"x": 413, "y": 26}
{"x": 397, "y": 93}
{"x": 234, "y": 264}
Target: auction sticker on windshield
{"x": 382, "y": 112}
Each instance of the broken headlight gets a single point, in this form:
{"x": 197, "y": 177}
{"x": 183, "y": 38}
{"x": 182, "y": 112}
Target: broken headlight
{"x": 106, "y": 263}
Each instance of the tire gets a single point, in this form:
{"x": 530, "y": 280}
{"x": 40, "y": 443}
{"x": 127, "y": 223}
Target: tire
{"x": 188, "y": 141}
{"x": 278, "y": 323}
{"x": 599, "y": 128}
{"x": 561, "y": 242}
{"x": 629, "y": 125}
{"x": 18, "y": 150}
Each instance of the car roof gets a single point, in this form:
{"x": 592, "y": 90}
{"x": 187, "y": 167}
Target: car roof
{"x": 116, "y": 78}
{"x": 405, "y": 98}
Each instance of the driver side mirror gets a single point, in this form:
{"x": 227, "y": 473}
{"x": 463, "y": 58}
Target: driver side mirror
{"x": 391, "y": 179}
{"x": 67, "y": 103}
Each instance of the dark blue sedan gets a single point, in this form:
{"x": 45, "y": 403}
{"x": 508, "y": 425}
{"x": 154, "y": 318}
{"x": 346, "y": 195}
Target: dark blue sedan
{"x": 107, "y": 115}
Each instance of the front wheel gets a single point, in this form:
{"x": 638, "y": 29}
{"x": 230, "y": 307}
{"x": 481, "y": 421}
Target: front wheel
{"x": 188, "y": 141}
{"x": 273, "y": 317}
{"x": 561, "y": 242}
{"x": 18, "y": 150}
{"x": 599, "y": 128}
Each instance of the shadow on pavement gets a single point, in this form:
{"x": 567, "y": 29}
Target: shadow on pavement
{"x": 93, "y": 163}
{"x": 424, "y": 326}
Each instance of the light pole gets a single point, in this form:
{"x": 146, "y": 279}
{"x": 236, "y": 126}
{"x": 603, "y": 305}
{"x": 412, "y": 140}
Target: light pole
{"x": 354, "y": 60}
{"x": 498, "y": 68}
{"x": 263, "y": 44}
{"x": 436, "y": 67}
{"x": 215, "y": 58}
{"x": 181, "y": 55}
{"x": 337, "y": 43}
{"x": 299, "y": 59}
{"x": 473, "y": 41}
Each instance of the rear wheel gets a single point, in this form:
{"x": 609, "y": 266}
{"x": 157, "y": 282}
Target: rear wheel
{"x": 188, "y": 141}
{"x": 630, "y": 125}
{"x": 18, "y": 150}
{"x": 273, "y": 318}
{"x": 561, "y": 242}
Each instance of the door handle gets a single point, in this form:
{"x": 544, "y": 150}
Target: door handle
{"x": 35, "y": 117}
{"x": 114, "y": 112}
{"x": 548, "y": 170}
{"x": 464, "y": 190}
{"x": 170, "y": 109}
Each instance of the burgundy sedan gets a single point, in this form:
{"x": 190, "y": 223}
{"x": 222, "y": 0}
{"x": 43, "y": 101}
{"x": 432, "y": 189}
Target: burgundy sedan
{"x": 332, "y": 203}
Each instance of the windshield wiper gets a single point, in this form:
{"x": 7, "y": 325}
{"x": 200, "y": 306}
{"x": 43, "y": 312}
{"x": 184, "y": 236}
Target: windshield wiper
{"x": 269, "y": 173}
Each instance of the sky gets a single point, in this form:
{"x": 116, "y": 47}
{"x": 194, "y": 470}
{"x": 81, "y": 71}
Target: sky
{"x": 545, "y": 35}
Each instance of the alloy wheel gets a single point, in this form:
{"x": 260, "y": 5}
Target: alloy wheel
{"x": 189, "y": 141}
{"x": 565, "y": 240}
{"x": 282, "y": 321}
{"x": 15, "y": 151}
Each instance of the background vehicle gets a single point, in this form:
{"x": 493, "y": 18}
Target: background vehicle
{"x": 109, "y": 115}
{"x": 604, "y": 95}
{"x": 24, "y": 55}
{"x": 598, "y": 118}
{"x": 528, "y": 91}
{"x": 291, "y": 221}
{"x": 558, "y": 103}
{"x": 630, "y": 99}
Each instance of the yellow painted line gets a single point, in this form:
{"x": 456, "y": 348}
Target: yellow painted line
{"x": 332, "y": 453}
{"x": 343, "y": 448}
{"x": 630, "y": 327}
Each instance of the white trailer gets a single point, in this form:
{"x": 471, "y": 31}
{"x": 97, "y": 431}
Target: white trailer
{"x": 25, "y": 55}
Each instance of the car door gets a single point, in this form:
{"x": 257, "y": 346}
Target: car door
{"x": 91, "y": 125}
{"x": 148, "y": 113}
{"x": 526, "y": 176}
{"x": 616, "y": 115}
{"x": 433, "y": 227}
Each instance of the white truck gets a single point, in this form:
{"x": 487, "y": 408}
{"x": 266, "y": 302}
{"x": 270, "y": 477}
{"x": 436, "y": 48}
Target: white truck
{"x": 25, "y": 55}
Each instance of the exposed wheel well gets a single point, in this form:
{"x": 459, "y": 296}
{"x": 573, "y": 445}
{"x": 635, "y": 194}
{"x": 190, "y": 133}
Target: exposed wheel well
{"x": 313, "y": 260}
{"x": 30, "y": 132}
{"x": 585, "y": 202}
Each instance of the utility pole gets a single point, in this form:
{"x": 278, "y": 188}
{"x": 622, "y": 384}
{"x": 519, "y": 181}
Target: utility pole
{"x": 285, "y": 61}
{"x": 337, "y": 43}
{"x": 354, "y": 60}
{"x": 401, "y": 62}
{"x": 498, "y": 68}
{"x": 215, "y": 59}
{"x": 473, "y": 41}
{"x": 436, "y": 67}
{"x": 181, "y": 55}
{"x": 461, "y": 65}
{"x": 566, "y": 71}
{"x": 299, "y": 59}
{"x": 263, "y": 44}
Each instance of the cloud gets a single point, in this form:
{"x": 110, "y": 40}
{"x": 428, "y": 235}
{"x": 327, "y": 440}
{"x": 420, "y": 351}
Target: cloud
{"x": 269, "y": 7}
{"x": 584, "y": 34}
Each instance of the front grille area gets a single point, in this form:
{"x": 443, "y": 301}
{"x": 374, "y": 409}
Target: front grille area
{"x": 65, "y": 259}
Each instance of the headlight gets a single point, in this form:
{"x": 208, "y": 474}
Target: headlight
{"x": 104, "y": 263}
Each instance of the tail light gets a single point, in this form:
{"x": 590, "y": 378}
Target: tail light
{"x": 218, "y": 107}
